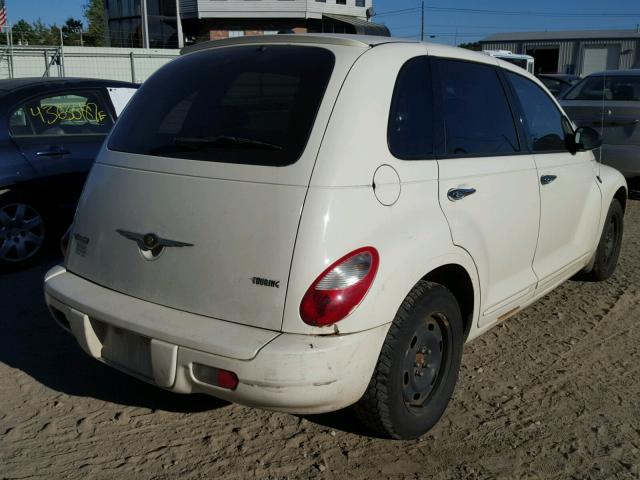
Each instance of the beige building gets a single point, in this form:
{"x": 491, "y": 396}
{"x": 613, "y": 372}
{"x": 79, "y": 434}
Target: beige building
{"x": 215, "y": 19}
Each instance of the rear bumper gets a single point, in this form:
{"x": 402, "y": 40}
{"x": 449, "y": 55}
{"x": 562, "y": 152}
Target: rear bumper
{"x": 277, "y": 371}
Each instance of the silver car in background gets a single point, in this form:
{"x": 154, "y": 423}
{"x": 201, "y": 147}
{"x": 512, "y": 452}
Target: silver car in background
{"x": 610, "y": 103}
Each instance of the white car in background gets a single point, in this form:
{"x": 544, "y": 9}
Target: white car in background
{"x": 306, "y": 222}
{"x": 526, "y": 62}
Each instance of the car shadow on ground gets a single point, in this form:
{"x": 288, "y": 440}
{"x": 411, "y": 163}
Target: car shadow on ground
{"x": 32, "y": 342}
{"x": 344, "y": 420}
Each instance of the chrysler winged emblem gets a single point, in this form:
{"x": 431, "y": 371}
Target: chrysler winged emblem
{"x": 151, "y": 241}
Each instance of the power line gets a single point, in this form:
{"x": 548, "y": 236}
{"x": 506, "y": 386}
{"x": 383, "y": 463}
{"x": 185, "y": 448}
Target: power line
{"x": 507, "y": 12}
{"x": 532, "y": 13}
{"x": 396, "y": 12}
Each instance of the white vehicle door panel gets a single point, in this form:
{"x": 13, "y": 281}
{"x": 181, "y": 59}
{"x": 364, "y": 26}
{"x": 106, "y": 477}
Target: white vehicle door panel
{"x": 497, "y": 225}
{"x": 570, "y": 199}
{"x": 570, "y": 213}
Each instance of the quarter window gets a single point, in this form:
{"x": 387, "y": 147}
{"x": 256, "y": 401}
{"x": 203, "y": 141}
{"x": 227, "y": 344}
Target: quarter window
{"x": 598, "y": 88}
{"x": 477, "y": 117}
{"x": 410, "y": 129}
{"x": 73, "y": 114}
{"x": 544, "y": 120}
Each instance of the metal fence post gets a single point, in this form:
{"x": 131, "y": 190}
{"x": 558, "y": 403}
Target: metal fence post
{"x": 46, "y": 63}
{"x": 133, "y": 67}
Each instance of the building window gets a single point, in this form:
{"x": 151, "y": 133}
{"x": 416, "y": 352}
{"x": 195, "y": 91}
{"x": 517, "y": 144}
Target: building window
{"x": 360, "y": 3}
{"x": 236, "y": 33}
{"x": 341, "y": 2}
{"x": 321, "y": 1}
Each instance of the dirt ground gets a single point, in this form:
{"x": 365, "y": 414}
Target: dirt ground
{"x": 552, "y": 393}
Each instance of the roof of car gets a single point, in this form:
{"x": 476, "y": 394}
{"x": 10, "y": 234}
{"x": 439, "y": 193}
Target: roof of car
{"x": 313, "y": 38}
{"x": 562, "y": 35}
{"x": 19, "y": 83}
{"x": 562, "y": 76}
{"x": 617, "y": 73}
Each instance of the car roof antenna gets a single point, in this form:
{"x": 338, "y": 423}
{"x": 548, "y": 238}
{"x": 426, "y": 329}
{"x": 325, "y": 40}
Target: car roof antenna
{"x": 604, "y": 85}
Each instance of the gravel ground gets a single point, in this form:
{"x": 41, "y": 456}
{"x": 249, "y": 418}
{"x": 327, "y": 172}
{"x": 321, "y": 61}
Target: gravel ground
{"x": 552, "y": 393}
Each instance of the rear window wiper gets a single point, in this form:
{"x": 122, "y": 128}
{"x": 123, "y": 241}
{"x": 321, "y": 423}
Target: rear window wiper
{"x": 197, "y": 143}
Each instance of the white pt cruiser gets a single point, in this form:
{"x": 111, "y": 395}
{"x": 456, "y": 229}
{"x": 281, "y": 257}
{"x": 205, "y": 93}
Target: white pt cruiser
{"x": 306, "y": 222}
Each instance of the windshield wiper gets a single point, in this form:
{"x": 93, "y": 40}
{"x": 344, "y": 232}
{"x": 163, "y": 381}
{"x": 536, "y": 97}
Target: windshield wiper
{"x": 198, "y": 143}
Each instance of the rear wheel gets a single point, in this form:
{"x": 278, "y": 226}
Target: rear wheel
{"x": 608, "y": 252}
{"x": 418, "y": 365}
{"x": 23, "y": 233}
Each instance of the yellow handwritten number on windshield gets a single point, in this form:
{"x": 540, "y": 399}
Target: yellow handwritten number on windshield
{"x": 52, "y": 114}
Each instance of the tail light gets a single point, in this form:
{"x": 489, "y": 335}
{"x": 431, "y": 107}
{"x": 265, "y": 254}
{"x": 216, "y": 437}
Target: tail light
{"x": 340, "y": 288}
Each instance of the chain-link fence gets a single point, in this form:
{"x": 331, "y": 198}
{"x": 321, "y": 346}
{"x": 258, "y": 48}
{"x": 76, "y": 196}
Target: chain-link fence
{"x": 127, "y": 64}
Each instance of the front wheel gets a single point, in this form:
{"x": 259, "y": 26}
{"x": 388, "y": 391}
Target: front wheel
{"x": 22, "y": 232}
{"x": 418, "y": 365}
{"x": 608, "y": 252}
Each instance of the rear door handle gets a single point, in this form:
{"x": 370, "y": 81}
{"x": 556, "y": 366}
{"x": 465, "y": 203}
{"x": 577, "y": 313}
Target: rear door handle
{"x": 456, "y": 194}
{"x": 53, "y": 152}
{"x": 547, "y": 179}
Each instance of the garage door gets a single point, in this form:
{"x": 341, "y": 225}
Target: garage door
{"x": 597, "y": 58}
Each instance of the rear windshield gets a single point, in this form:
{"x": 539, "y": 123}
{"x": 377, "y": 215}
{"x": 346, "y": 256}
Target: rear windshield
{"x": 617, "y": 88}
{"x": 248, "y": 105}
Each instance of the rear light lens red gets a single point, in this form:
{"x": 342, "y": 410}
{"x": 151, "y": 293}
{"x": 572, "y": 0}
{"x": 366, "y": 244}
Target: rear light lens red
{"x": 215, "y": 376}
{"x": 227, "y": 379}
{"x": 340, "y": 288}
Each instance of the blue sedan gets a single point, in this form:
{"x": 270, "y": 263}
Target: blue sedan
{"x": 50, "y": 133}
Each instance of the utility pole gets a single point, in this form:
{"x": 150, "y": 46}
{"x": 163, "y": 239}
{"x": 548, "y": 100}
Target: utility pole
{"x": 145, "y": 24}
{"x": 179, "y": 26}
{"x": 422, "y": 23}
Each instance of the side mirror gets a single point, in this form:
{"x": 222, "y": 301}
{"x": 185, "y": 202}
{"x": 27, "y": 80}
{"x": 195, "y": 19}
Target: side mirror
{"x": 587, "y": 139}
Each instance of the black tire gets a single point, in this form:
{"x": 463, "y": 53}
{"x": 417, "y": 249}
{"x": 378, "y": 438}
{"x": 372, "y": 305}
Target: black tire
{"x": 22, "y": 221}
{"x": 410, "y": 365}
{"x": 608, "y": 251}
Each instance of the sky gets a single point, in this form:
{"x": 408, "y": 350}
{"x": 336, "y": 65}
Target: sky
{"x": 447, "y": 26}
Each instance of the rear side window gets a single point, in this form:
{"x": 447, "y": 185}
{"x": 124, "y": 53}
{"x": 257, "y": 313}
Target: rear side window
{"x": 544, "y": 119}
{"x": 478, "y": 119}
{"x": 248, "y": 105}
{"x": 615, "y": 88}
{"x": 410, "y": 129}
{"x": 71, "y": 114}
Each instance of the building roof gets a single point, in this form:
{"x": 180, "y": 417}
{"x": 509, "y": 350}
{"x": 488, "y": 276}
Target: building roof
{"x": 562, "y": 35}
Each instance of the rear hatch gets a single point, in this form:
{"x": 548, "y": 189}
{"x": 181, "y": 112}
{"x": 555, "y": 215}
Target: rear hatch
{"x": 196, "y": 200}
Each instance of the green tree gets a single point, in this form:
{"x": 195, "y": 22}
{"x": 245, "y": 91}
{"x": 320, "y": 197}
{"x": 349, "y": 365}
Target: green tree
{"x": 94, "y": 13}
{"x": 72, "y": 31}
{"x": 23, "y": 33}
{"x": 41, "y": 33}
{"x": 475, "y": 46}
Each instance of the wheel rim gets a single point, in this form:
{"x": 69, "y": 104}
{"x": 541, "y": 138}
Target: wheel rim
{"x": 21, "y": 232}
{"x": 610, "y": 240}
{"x": 425, "y": 361}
